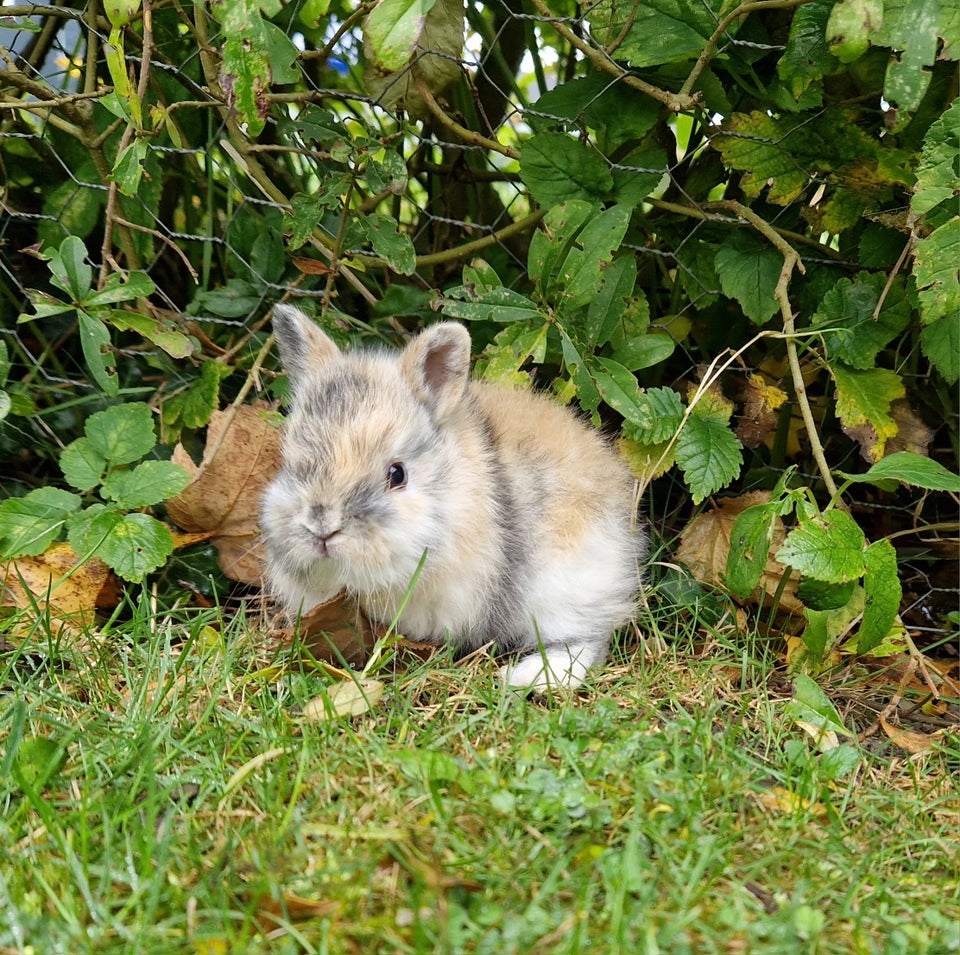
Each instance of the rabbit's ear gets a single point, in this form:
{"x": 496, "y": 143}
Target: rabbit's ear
{"x": 303, "y": 346}
{"x": 437, "y": 365}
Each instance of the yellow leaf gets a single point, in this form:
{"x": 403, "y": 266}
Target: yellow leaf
{"x": 349, "y": 698}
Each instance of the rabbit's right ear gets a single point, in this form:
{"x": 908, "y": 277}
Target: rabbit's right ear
{"x": 303, "y": 346}
{"x": 437, "y": 365}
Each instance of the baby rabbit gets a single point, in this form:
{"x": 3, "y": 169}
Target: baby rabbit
{"x": 525, "y": 513}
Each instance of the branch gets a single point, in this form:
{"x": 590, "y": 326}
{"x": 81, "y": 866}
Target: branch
{"x": 791, "y": 260}
{"x": 675, "y": 102}
{"x": 745, "y": 8}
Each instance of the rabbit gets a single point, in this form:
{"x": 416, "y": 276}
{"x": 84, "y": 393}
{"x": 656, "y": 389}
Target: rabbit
{"x": 525, "y": 513}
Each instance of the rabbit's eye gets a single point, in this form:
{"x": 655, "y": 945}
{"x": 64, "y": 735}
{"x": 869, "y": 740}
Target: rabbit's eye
{"x": 396, "y": 475}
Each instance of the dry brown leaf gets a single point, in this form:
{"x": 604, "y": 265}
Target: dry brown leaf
{"x": 912, "y": 434}
{"x": 910, "y": 741}
{"x": 224, "y": 494}
{"x": 760, "y": 403}
{"x": 336, "y": 632}
{"x": 59, "y": 579}
{"x": 705, "y": 545}
{"x": 271, "y": 912}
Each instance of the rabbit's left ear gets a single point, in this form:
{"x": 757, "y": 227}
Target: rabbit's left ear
{"x": 437, "y": 365}
{"x": 303, "y": 346}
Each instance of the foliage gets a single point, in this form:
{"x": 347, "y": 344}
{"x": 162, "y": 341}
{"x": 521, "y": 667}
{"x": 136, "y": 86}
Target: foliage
{"x": 729, "y": 231}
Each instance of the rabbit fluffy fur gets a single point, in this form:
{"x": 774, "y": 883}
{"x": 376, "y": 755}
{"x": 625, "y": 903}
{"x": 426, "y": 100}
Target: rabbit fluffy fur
{"x": 525, "y": 512}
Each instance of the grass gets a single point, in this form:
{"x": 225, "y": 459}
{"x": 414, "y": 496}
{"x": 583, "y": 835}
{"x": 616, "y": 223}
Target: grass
{"x": 161, "y": 793}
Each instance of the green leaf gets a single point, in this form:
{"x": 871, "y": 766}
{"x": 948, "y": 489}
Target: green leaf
{"x": 940, "y": 342}
{"x": 30, "y": 524}
{"x": 393, "y": 31}
{"x": 612, "y": 299}
{"x": 914, "y": 34}
{"x": 818, "y": 595}
{"x": 82, "y": 465}
{"x": 828, "y": 547}
{"x": 749, "y": 269}
{"x": 137, "y": 285}
{"x": 489, "y": 304}
{"x": 38, "y": 761}
{"x": 846, "y": 317}
{"x": 638, "y": 174}
{"x": 645, "y": 351}
{"x": 510, "y": 349}
{"x": 750, "y": 542}
{"x": 935, "y": 270}
{"x": 850, "y": 26}
{"x": 557, "y": 168}
{"x": 617, "y": 386}
{"x": 122, "y": 433}
{"x": 132, "y": 544}
{"x": 396, "y": 247}
{"x": 583, "y": 381}
{"x": 807, "y": 58}
{"x": 882, "y": 593}
{"x": 909, "y": 468}
{"x": 148, "y": 483}
{"x": 193, "y": 407}
{"x": 128, "y": 169}
{"x": 281, "y": 54}
{"x": 581, "y": 273}
{"x": 95, "y": 340}
{"x": 811, "y": 705}
{"x": 660, "y": 412}
{"x": 939, "y": 167}
{"x": 550, "y": 244}
{"x": 245, "y": 71}
{"x": 70, "y": 268}
{"x": 709, "y": 454}
{"x": 174, "y": 342}
{"x": 656, "y": 31}
{"x": 864, "y": 397}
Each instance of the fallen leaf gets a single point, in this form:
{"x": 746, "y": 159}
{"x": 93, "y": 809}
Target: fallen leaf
{"x": 352, "y": 697}
{"x": 778, "y": 799}
{"x": 912, "y": 434}
{"x": 60, "y": 582}
{"x": 223, "y": 498}
{"x": 336, "y": 632}
{"x": 705, "y": 545}
{"x": 912, "y": 742}
{"x": 291, "y": 908}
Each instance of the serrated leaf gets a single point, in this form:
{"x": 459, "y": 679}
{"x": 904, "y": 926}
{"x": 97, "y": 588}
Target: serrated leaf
{"x": 939, "y": 167}
{"x": 123, "y": 433}
{"x": 95, "y": 341}
{"x": 389, "y": 242}
{"x": 940, "y": 342}
{"x": 132, "y": 544}
{"x": 709, "y": 455}
{"x": 828, "y": 547}
{"x": 193, "y": 407}
{"x": 909, "y": 468}
{"x": 846, "y": 317}
{"x": 82, "y": 464}
{"x": 748, "y": 271}
{"x": 660, "y": 412}
{"x": 511, "y": 348}
{"x": 556, "y": 168}
{"x": 148, "y": 483}
{"x": 864, "y": 396}
{"x": 882, "y": 593}
{"x": 30, "y": 524}
{"x": 935, "y": 271}
{"x": 818, "y": 595}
